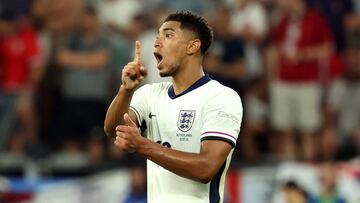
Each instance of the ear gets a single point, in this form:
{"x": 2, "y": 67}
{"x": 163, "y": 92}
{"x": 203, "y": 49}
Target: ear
{"x": 193, "y": 46}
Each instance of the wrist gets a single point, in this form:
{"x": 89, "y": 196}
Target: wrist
{"x": 145, "y": 147}
{"x": 124, "y": 89}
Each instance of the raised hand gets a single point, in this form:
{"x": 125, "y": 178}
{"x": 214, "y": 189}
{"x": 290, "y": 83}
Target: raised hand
{"x": 134, "y": 72}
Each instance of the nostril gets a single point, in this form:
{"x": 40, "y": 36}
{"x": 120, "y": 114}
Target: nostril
{"x": 156, "y": 44}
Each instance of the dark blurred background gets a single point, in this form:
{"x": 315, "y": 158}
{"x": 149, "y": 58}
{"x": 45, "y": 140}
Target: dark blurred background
{"x": 295, "y": 64}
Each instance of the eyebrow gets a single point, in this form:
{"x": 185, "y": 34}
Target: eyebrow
{"x": 167, "y": 29}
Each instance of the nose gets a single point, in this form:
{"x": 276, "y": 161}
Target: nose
{"x": 157, "y": 43}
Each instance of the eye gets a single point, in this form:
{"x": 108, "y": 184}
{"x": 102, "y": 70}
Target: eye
{"x": 168, "y": 35}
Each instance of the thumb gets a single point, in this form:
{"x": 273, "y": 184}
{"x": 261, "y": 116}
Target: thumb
{"x": 128, "y": 121}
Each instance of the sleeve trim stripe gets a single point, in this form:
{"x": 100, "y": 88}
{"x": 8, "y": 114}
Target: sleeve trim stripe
{"x": 216, "y": 133}
{"x": 137, "y": 115}
{"x": 219, "y": 138}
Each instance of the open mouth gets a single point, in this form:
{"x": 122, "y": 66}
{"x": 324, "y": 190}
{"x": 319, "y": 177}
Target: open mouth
{"x": 158, "y": 57}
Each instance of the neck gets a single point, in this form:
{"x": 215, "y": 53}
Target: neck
{"x": 188, "y": 75}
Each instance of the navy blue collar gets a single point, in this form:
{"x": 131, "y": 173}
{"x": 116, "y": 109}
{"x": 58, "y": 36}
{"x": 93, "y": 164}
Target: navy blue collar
{"x": 202, "y": 81}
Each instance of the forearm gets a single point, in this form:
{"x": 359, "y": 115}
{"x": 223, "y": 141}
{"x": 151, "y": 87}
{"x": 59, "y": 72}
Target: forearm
{"x": 317, "y": 52}
{"x": 194, "y": 166}
{"x": 118, "y": 107}
{"x": 90, "y": 61}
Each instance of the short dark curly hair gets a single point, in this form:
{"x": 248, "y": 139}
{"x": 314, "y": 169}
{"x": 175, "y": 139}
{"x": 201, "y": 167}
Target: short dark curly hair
{"x": 196, "y": 24}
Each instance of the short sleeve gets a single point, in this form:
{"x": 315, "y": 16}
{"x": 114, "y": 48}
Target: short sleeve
{"x": 139, "y": 103}
{"x": 222, "y": 118}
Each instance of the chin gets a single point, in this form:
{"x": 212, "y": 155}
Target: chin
{"x": 167, "y": 71}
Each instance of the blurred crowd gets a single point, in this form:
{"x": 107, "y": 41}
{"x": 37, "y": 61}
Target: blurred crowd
{"x": 295, "y": 64}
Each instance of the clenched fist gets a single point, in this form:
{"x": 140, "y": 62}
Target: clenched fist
{"x": 134, "y": 72}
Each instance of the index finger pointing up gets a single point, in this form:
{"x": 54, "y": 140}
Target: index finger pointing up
{"x": 137, "y": 51}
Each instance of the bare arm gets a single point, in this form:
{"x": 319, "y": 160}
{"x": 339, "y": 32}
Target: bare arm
{"x": 200, "y": 167}
{"x": 317, "y": 52}
{"x": 133, "y": 74}
{"x": 118, "y": 107}
{"x": 91, "y": 61}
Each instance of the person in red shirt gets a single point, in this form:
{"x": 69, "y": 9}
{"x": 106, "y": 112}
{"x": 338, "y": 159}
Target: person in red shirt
{"x": 302, "y": 42}
{"x": 20, "y": 72}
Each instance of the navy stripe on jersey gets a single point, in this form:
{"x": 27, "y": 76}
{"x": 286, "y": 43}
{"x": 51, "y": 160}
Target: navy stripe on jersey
{"x": 142, "y": 123}
{"x": 219, "y": 134}
{"x": 202, "y": 81}
{"x": 214, "y": 194}
{"x": 219, "y": 138}
{"x": 138, "y": 116}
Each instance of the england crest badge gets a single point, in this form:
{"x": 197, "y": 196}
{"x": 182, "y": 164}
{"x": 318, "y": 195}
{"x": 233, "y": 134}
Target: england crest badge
{"x": 186, "y": 120}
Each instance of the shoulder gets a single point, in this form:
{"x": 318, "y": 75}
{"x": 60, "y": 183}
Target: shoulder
{"x": 223, "y": 95}
{"x": 154, "y": 87}
{"x": 222, "y": 90}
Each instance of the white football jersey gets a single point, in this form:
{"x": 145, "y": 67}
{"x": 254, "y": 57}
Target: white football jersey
{"x": 205, "y": 111}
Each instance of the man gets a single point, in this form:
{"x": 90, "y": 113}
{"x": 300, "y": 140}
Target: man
{"x": 21, "y": 70}
{"x": 192, "y": 123}
{"x": 85, "y": 60}
{"x": 303, "y": 43}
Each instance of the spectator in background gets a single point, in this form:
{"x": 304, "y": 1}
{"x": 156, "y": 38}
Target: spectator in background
{"x": 137, "y": 192}
{"x": 343, "y": 109}
{"x": 225, "y": 59}
{"x": 249, "y": 22}
{"x": 118, "y": 14}
{"x": 335, "y": 12}
{"x": 85, "y": 61}
{"x": 328, "y": 179}
{"x": 61, "y": 17}
{"x": 254, "y": 141}
{"x": 303, "y": 42}
{"x": 21, "y": 69}
{"x": 352, "y": 26}
{"x": 201, "y": 7}
{"x": 293, "y": 193}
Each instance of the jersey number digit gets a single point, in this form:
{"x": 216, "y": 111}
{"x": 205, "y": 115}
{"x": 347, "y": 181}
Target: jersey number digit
{"x": 165, "y": 144}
